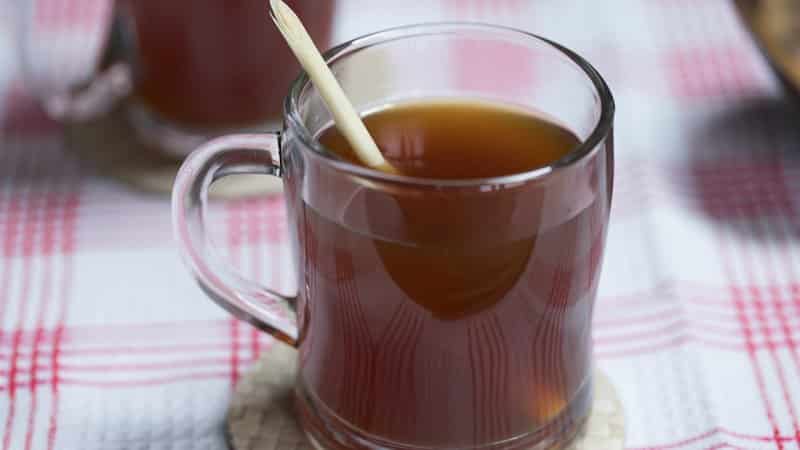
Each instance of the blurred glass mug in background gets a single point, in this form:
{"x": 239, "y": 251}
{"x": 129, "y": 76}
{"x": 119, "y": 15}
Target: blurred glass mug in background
{"x": 189, "y": 70}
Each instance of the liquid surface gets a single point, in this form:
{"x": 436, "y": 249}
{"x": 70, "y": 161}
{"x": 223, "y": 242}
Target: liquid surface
{"x": 459, "y": 318}
{"x": 460, "y": 139}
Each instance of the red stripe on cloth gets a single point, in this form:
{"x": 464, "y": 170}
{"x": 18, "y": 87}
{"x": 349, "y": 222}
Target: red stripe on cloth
{"x": 738, "y": 299}
{"x": 70, "y": 14}
{"x": 144, "y": 331}
{"x": 715, "y": 432}
{"x": 627, "y": 353}
{"x": 146, "y": 366}
{"x": 48, "y": 240}
{"x": 254, "y": 237}
{"x": 721, "y": 323}
{"x": 795, "y": 296}
{"x": 793, "y": 300}
{"x": 634, "y": 335}
{"x": 259, "y": 222}
{"x": 68, "y": 246}
{"x": 33, "y": 395}
{"x": 131, "y": 349}
{"x": 147, "y": 382}
{"x": 255, "y": 345}
{"x": 771, "y": 348}
{"x": 128, "y": 349}
{"x": 28, "y": 233}
{"x": 37, "y": 342}
{"x": 52, "y": 427}
{"x": 602, "y": 351}
{"x": 648, "y": 316}
{"x": 234, "y": 357}
{"x": 698, "y": 66}
{"x": 699, "y": 73}
{"x": 276, "y": 232}
{"x": 794, "y": 221}
{"x": 9, "y": 421}
{"x": 226, "y": 345}
{"x": 791, "y": 224}
{"x": 10, "y": 234}
{"x": 681, "y": 443}
{"x": 481, "y": 8}
{"x": 63, "y": 381}
{"x": 483, "y": 66}
{"x": 8, "y": 245}
{"x": 777, "y": 201}
{"x": 235, "y": 231}
{"x": 666, "y": 343}
{"x": 675, "y": 325}
{"x": 605, "y": 349}
{"x": 680, "y": 334}
{"x": 777, "y": 305}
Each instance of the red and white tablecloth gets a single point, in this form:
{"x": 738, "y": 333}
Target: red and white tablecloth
{"x": 106, "y": 342}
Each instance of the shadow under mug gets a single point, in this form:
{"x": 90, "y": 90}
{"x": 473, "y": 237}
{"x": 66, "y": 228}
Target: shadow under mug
{"x": 186, "y": 71}
{"x": 497, "y": 353}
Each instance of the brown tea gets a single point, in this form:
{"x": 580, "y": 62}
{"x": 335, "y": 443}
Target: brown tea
{"x": 448, "y": 316}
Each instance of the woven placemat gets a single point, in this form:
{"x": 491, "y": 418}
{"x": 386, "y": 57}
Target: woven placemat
{"x": 260, "y": 416}
{"x": 110, "y": 146}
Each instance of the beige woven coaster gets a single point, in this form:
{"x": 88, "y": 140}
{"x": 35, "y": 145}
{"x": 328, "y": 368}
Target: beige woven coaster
{"x": 260, "y": 415}
{"x": 112, "y": 147}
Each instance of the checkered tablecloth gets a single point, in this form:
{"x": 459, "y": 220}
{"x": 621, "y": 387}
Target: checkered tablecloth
{"x": 106, "y": 342}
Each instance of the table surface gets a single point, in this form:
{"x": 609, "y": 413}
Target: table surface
{"x": 106, "y": 342}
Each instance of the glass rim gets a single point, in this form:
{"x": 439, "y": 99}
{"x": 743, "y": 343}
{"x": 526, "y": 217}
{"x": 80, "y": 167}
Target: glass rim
{"x": 586, "y": 148}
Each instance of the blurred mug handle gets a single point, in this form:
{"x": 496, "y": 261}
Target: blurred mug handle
{"x": 105, "y": 87}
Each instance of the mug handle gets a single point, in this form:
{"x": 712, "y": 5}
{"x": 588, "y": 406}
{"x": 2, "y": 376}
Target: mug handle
{"x": 246, "y": 299}
{"x": 107, "y": 86}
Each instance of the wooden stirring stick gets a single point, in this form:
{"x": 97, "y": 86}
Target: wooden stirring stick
{"x": 344, "y": 114}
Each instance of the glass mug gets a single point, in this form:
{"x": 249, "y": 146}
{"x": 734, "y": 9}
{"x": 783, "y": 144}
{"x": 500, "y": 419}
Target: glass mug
{"x": 379, "y": 368}
{"x": 191, "y": 68}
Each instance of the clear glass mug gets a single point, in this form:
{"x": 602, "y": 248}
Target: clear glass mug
{"x": 190, "y": 69}
{"x": 379, "y": 367}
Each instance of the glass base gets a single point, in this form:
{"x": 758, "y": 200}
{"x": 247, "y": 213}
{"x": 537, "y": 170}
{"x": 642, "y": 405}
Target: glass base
{"x": 178, "y": 141}
{"x": 326, "y": 431}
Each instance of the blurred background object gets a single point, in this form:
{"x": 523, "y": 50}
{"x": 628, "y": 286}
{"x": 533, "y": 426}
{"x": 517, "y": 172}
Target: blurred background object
{"x": 180, "y": 72}
{"x": 775, "y": 24}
